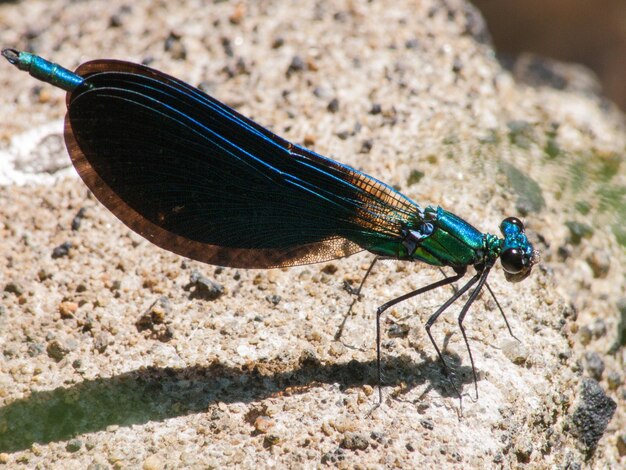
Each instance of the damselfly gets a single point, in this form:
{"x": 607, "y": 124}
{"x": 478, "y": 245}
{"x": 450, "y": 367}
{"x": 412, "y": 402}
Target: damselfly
{"x": 197, "y": 178}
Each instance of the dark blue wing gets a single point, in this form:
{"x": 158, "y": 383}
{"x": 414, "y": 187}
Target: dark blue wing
{"x": 197, "y": 178}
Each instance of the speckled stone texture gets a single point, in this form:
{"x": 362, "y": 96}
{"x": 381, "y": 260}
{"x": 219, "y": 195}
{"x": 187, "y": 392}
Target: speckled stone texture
{"x": 116, "y": 354}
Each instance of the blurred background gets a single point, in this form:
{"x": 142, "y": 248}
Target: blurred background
{"x": 577, "y": 31}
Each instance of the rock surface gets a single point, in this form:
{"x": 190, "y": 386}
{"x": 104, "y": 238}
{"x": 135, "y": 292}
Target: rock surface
{"x": 395, "y": 88}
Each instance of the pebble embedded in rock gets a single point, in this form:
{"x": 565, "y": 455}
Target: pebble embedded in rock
{"x": 98, "y": 466}
{"x": 398, "y": 330}
{"x": 297, "y": 65}
{"x": 585, "y": 334}
{"x": 175, "y": 46}
{"x": 614, "y": 380}
{"x": 156, "y": 313}
{"x": 62, "y": 250}
{"x": 101, "y": 341}
{"x": 366, "y": 146}
{"x": 270, "y": 440}
{"x": 156, "y": 319}
{"x": 274, "y": 299}
{"x": 600, "y": 263}
{"x": 333, "y": 105}
{"x": 202, "y": 287}
{"x": 35, "y": 349}
{"x": 78, "y": 218}
{"x": 74, "y": 445}
{"x": 515, "y": 351}
{"x": 598, "y": 328}
{"x": 427, "y": 424}
{"x": 68, "y": 309}
{"x": 578, "y": 231}
{"x": 263, "y": 424}
{"x": 354, "y": 441}
{"x": 14, "y": 288}
{"x": 338, "y": 455}
{"x": 57, "y": 349}
{"x": 592, "y": 414}
{"x": 159, "y": 310}
{"x": 523, "y": 450}
{"x": 153, "y": 462}
{"x": 594, "y": 365}
{"x": 621, "y": 444}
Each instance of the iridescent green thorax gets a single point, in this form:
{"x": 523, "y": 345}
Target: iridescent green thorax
{"x": 492, "y": 247}
{"x": 454, "y": 242}
{"x": 439, "y": 238}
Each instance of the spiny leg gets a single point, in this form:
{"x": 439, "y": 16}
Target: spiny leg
{"x": 357, "y": 293}
{"x": 391, "y": 303}
{"x": 501, "y": 311}
{"x": 483, "y": 280}
{"x": 440, "y": 310}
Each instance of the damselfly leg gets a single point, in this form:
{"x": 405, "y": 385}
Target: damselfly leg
{"x": 443, "y": 282}
{"x": 357, "y": 296}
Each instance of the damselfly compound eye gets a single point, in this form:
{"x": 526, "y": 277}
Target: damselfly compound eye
{"x": 515, "y": 221}
{"x": 514, "y": 261}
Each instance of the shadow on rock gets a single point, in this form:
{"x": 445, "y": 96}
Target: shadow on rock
{"x": 156, "y": 394}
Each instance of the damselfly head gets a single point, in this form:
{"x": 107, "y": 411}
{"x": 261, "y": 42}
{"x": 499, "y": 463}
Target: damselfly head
{"x": 517, "y": 256}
